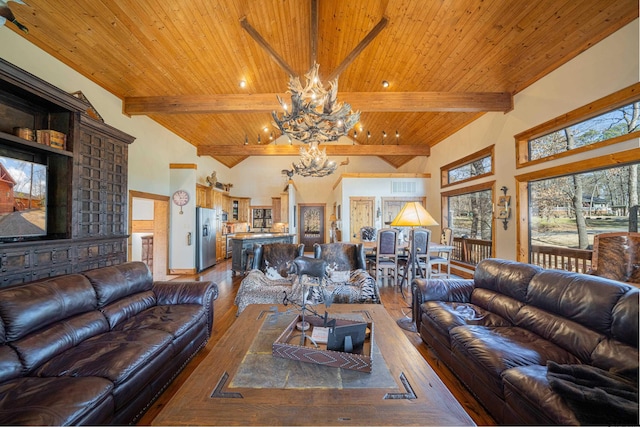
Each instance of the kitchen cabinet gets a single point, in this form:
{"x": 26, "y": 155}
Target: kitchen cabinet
{"x": 239, "y": 209}
{"x": 203, "y": 196}
{"x": 276, "y": 209}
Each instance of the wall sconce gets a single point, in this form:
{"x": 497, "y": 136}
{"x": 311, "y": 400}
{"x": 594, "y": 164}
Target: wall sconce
{"x": 504, "y": 207}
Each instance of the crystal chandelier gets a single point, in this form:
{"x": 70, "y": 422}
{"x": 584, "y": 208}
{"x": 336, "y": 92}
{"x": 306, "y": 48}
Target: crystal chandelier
{"x": 316, "y": 116}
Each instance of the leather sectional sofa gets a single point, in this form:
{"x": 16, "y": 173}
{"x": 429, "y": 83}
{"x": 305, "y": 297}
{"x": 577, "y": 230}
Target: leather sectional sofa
{"x": 96, "y": 347}
{"x": 536, "y": 346}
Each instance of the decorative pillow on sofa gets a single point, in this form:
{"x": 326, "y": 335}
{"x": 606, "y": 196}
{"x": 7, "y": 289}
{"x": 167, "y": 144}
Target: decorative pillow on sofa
{"x": 340, "y": 276}
{"x": 272, "y": 274}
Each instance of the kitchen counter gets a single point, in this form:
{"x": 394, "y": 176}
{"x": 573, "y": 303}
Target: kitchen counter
{"x": 245, "y": 236}
{"x": 242, "y": 246}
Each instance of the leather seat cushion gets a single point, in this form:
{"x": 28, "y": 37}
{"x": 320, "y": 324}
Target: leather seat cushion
{"x": 495, "y": 349}
{"x": 55, "y": 401}
{"x": 527, "y": 387}
{"x": 447, "y": 315}
{"x": 113, "y": 355}
{"x": 173, "y": 319}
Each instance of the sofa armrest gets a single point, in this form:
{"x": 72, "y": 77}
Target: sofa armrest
{"x": 188, "y": 292}
{"x": 449, "y": 290}
{"x": 191, "y": 292}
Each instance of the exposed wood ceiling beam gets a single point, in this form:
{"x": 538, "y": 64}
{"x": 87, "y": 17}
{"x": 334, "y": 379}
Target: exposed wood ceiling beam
{"x": 266, "y": 46}
{"x": 313, "y": 36}
{"x": 362, "y": 101}
{"x": 332, "y": 150}
{"x": 358, "y": 49}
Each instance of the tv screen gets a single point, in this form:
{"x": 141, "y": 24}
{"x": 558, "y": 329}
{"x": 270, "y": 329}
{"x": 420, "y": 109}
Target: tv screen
{"x": 23, "y": 199}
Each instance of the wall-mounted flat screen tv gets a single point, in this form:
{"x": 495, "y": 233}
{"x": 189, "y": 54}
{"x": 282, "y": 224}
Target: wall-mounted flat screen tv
{"x": 23, "y": 199}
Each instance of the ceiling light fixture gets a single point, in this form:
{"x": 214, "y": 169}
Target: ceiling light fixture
{"x": 316, "y": 116}
{"x": 385, "y": 83}
{"x": 314, "y": 162}
{"x": 243, "y": 84}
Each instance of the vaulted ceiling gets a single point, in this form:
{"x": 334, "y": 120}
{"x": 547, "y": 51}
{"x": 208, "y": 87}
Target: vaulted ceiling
{"x": 447, "y": 61}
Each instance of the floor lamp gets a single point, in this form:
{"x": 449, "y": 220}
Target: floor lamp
{"x": 412, "y": 214}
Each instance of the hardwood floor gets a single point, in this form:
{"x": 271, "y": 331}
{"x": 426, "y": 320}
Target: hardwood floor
{"x": 225, "y": 315}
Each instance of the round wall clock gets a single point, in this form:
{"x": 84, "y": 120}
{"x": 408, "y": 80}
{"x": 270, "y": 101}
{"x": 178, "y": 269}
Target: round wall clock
{"x": 180, "y": 198}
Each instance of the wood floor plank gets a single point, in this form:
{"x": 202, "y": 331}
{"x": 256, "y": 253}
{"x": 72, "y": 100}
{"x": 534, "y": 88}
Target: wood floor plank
{"x": 225, "y": 315}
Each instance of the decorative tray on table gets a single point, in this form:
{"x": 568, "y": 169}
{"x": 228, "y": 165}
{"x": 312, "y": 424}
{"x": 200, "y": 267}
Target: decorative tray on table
{"x": 347, "y": 335}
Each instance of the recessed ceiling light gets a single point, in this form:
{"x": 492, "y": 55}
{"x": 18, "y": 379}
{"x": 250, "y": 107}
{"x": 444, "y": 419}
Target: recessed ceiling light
{"x": 243, "y": 84}
{"x": 266, "y": 129}
{"x": 385, "y": 83}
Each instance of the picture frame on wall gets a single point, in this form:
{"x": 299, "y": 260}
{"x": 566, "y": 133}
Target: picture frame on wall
{"x": 504, "y": 213}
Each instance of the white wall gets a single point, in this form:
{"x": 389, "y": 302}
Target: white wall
{"x": 609, "y": 66}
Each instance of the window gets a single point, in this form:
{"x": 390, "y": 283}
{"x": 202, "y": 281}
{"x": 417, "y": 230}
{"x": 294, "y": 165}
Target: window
{"x": 469, "y": 213}
{"x": 474, "y": 166}
{"x": 606, "y": 121}
{"x": 568, "y": 211}
{"x": 606, "y": 126}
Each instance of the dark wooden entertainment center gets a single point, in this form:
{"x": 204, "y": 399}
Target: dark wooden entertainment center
{"x": 86, "y": 182}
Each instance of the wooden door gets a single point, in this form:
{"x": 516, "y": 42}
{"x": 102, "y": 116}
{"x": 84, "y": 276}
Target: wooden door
{"x": 158, "y": 227}
{"x": 361, "y": 215}
{"x": 311, "y": 228}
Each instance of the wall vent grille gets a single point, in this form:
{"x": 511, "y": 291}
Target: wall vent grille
{"x": 403, "y": 187}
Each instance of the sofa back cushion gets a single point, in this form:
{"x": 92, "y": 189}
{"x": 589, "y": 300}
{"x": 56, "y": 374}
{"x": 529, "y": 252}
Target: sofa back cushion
{"x": 619, "y": 353}
{"x": 505, "y": 277}
{"x": 10, "y": 365}
{"x": 584, "y": 299}
{"x": 43, "y": 344}
{"x": 274, "y": 259}
{"x": 27, "y": 308}
{"x": 128, "y": 306}
{"x": 341, "y": 256}
{"x": 497, "y": 303}
{"x": 113, "y": 283}
{"x": 578, "y": 312}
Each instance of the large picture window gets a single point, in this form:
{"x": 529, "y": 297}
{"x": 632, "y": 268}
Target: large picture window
{"x": 469, "y": 214}
{"x": 569, "y": 211}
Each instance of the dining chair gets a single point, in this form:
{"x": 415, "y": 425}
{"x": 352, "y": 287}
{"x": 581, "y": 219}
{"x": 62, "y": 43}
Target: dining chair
{"x": 420, "y": 250}
{"x": 443, "y": 257}
{"x": 417, "y": 263}
{"x": 386, "y": 262}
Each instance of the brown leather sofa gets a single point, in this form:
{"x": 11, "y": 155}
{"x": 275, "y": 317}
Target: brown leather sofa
{"x": 96, "y": 347}
{"x": 516, "y": 334}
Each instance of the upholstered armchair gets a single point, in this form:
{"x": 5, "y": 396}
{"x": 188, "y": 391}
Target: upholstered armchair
{"x": 269, "y": 277}
{"x": 347, "y": 279}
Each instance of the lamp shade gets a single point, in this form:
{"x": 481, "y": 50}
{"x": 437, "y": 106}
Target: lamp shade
{"x": 333, "y": 218}
{"x": 413, "y": 214}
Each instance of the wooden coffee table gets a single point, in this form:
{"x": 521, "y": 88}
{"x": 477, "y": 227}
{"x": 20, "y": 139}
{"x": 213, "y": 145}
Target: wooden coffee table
{"x": 416, "y": 395}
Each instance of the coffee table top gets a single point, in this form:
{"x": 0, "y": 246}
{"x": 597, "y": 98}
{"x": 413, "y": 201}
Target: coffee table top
{"x": 418, "y": 397}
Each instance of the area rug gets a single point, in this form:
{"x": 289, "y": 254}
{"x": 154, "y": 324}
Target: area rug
{"x": 260, "y": 369}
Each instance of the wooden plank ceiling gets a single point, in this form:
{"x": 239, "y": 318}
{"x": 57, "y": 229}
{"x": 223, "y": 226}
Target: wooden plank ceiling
{"x": 446, "y": 61}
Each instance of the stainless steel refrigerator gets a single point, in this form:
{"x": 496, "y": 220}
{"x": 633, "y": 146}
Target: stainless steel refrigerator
{"x": 205, "y": 238}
